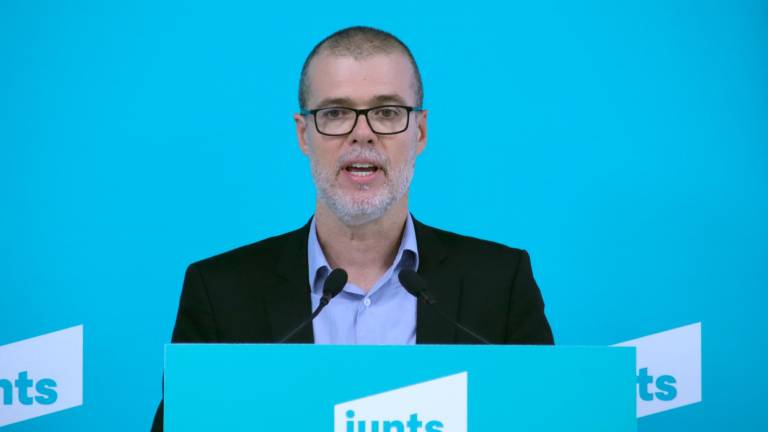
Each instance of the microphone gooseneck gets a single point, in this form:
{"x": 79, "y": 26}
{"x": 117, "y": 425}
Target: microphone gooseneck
{"x": 332, "y": 286}
{"x": 417, "y": 287}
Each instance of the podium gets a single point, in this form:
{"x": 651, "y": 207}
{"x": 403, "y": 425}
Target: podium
{"x": 421, "y": 388}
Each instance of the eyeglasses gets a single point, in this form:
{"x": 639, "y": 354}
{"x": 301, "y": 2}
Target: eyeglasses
{"x": 383, "y": 120}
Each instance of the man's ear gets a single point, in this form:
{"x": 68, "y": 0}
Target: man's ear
{"x": 421, "y": 131}
{"x": 301, "y": 133}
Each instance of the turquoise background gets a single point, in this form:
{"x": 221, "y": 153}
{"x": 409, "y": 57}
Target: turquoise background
{"x": 528, "y": 388}
{"x": 623, "y": 145}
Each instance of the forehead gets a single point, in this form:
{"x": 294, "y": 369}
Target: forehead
{"x": 360, "y": 81}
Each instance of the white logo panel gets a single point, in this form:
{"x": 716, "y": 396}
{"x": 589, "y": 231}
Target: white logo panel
{"x": 668, "y": 369}
{"x": 41, "y": 375}
{"x": 438, "y": 405}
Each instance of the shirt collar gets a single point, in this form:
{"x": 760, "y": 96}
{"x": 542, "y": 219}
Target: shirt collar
{"x": 318, "y": 263}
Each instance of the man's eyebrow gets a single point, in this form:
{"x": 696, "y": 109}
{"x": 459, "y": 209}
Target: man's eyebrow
{"x": 388, "y": 99}
{"x": 347, "y": 102}
{"x": 374, "y": 101}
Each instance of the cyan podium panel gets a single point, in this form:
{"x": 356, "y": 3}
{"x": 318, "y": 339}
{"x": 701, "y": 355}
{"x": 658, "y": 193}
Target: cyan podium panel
{"x": 422, "y": 388}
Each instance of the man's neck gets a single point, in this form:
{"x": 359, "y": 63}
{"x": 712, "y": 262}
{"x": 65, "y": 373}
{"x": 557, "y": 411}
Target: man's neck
{"x": 366, "y": 251}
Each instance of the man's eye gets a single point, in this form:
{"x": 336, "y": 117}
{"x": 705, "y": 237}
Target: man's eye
{"x": 334, "y": 114}
{"x": 386, "y": 113}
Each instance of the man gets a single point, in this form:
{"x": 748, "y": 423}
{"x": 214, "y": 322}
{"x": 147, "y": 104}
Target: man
{"x": 362, "y": 127}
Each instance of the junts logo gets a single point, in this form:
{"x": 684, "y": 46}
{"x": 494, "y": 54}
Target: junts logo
{"x": 432, "y": 406}
{"x": 668, "y": 369}
{"x": 41, "y": 375}
{"x": 45, "y": 388}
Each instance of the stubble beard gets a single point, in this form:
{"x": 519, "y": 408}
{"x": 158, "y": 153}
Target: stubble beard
{"x": 356, "y": 209}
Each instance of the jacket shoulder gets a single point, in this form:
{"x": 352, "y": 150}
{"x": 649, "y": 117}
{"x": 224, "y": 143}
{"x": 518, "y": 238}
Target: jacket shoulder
{"x": 467, "y": 246}
{"x": 260, "y": 255}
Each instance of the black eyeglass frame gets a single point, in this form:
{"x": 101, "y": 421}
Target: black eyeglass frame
{"x": 363, "y": 112}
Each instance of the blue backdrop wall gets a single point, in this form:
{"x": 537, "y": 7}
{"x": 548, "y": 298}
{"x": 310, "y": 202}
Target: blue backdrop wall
{"x": 624, "y": 146}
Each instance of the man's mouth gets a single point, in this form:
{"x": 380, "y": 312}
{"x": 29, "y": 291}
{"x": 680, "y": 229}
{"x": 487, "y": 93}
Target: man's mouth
{"x": 361, "y": 169}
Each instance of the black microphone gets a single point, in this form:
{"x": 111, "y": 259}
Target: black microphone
{"x": 417, "y": 286}
{"x": 333, "y": 285}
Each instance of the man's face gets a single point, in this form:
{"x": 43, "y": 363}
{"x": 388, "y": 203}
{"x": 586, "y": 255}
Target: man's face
{"x": 359, "y": 176}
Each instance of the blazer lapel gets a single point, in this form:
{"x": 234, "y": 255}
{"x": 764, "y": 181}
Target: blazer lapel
{"x": 443, "y": 281}
{"x": 289, "y": 302}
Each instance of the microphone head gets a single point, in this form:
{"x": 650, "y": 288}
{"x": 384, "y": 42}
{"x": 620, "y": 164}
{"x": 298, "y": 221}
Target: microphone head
{"x": 334, "y": 283}
{"x": 415, "y": 284}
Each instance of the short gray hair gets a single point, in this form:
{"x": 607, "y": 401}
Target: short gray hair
{"x": 359, "y": 42}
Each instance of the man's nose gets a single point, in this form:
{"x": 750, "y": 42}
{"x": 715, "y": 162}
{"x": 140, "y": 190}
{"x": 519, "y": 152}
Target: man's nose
{"x": 362, "y": 132}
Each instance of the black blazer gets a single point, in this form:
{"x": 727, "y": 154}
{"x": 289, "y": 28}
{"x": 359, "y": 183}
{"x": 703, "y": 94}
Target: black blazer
{"x": 260, "y": 292}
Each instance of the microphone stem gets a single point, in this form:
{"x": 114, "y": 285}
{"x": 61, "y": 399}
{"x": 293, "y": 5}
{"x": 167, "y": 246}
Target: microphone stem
{"x": 459, "y": 325}
{"x": 323, "y": 303}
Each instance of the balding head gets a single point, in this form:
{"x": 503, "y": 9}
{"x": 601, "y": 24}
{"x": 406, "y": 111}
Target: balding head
{"x": 358, "y": 43}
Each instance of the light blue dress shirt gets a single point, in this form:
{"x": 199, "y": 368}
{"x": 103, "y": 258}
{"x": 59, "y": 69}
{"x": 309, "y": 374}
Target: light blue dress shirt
{"x": 386, "y": 315}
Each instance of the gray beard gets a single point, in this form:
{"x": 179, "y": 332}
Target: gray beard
{"x": 357, "y": 211}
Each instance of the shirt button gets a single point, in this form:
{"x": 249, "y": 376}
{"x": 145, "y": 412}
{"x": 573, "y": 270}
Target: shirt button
{"x": 367, "y": 301}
